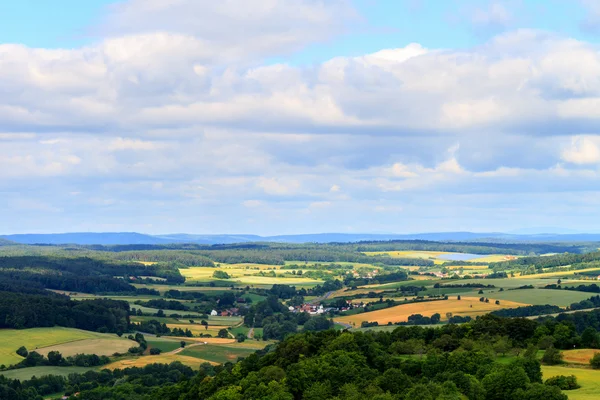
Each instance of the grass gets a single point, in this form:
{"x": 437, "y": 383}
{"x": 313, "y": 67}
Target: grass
{"x": 560, "y": 298}
{"x": 218, "y": 354}
{"x": 558, "y": 273}
{"x": 589, "y": 380}
{"x": 470, "y": 306}
{"x": 165, "y": 345}
{"x": 27, "y": 373}
{"x": 101, "y": 347}
{"x": 32, "y": 339}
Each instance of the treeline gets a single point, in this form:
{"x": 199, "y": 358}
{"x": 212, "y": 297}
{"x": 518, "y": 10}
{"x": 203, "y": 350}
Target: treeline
{"x": 468, "y": 247}
{"x": 19, "y": 311}
{"x": 55, "y": 358}
{"x": 84, "y": 274}
{"x": 593, "y": 288}
{"x": 543, "y": 262}
{"x": 150, "y": 382}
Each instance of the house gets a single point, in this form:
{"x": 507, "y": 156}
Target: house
{"x": 214, "y": 313}
{"x": 225, "y": 313}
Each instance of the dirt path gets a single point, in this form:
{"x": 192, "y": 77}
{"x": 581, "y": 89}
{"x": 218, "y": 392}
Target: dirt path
{"x": 251, "y": 333}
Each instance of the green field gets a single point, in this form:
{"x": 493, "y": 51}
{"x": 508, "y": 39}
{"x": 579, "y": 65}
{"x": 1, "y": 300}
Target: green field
{"x": 218, "y": 354}
{"x": 589, "y": 380}
{"x": 28, "y": 373}
{"x": 32, "y": 339}
{"x": 560, "y": 298}
{"x": 165, "y": 345}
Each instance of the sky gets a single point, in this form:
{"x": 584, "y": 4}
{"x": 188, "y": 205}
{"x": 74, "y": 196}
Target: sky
{"x": 299, "y": 116}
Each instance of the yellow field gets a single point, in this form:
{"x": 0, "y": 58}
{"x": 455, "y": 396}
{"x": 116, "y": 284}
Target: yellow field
{"x": 245, "y": 276}
{"x": 579, "y": 356}
{"x": 212, "y": 340}
{"x": 589, "y": 380}
{"x": 342, "y": 292}
{"x": 197, "y": 329}
{"x": 558, "y": 273}
{"x": 100, "y": 347}
{"x": 493, "y": 258}
{"x": 470, "y": 306}
{"x": 192, "y": 362}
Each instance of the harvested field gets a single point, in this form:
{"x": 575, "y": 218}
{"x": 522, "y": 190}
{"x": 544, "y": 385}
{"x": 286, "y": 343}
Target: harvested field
{"x": 100, "y": 347}
{"x": 470, "y": 306}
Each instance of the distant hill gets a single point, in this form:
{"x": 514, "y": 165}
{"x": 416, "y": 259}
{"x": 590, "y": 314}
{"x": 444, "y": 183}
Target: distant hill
{"x": 5, "y": 242}
{"x": 87, "y": 238}
{"x": 125, "y": 238}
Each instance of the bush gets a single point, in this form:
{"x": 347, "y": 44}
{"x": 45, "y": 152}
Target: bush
{"x": 563, "y": 382}
{"x": 595, "y": 361}
{"x": 552, "y": 356}
{"x": 22, "y": 351}
{"x": 155, "y": 351}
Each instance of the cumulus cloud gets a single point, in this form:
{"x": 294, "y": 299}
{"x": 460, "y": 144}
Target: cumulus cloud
{"x": 172, "y": 117}
{"x": 583, "y": 150}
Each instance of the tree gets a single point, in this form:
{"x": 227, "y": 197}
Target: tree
{"x": 502, "y": 345}
{"x": 538, "y": 391}
{"x": 22, "y": 351}
{"x": 204, "y": 324}
{"x": 504, "y": 381}
{"x": 54, "y": 358}
{"x": 223, "y": 333}
{"x": 155, "y": 351}
{"x": 221, "y": 275}
{"x": 182, "y": 343}
{"x": 589, "y": 338}
{"x": 595, "y": 361}
{"x": 552, "y": 356}
{"x": 458, "y": 297}
{"x": 160, "y": 313}
{"x": 240, "y": 337}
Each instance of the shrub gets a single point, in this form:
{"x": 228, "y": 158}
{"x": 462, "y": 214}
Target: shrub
{"x": 552, "y": 356}
{"x": 155, "y": 351}
{"x": 22, "y": 351}
{"x": 595, "y": 361}
{"x": 563, "y": 382}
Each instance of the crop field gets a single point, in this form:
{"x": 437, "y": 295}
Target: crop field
{"x": 198, "y": 329}
{"x": 182, "y": 288}
{"x": 160, "y": 359}
{"x": 558, "y": 273}
{"x": 579, "y": 356}
{"x": 589, "y": 380}
{"x": 101, "y": 347}
{"x": 470, "y": 306}
{"x": 213, "y": 340}
{"x": 241, "y": 276}
{"x": 561, "y": 298}
{"x": 220, "y": 354}
{"x": 28, "y": 373}
{"x": 32, "y": 339}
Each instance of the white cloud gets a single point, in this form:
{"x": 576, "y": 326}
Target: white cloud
{"x": 583, "y": 150}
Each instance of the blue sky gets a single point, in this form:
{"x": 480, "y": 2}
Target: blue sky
{"x": 299, "y": 116}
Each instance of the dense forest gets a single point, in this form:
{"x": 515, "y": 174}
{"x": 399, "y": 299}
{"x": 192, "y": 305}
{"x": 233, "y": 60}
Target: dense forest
{"x": 19, "y": 310}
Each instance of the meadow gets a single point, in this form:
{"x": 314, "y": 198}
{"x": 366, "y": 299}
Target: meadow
{"x": 39, "y": 338}
{"x": 589, "y": 380}
{"x": 28, "y": 373}
{"x": 218, "y": 354}
{"x": 467, "y": 306}
{"x": 101, "y": 347}
{"x": 243, "y": 276}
